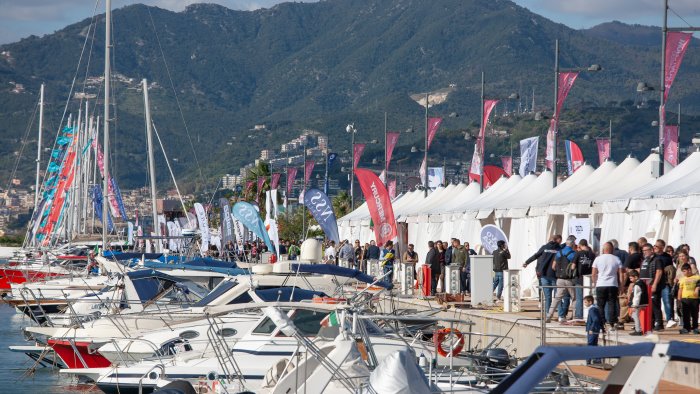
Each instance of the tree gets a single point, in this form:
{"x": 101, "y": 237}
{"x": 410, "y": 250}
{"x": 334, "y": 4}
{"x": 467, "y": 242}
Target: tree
{"x": 341, "y": 204}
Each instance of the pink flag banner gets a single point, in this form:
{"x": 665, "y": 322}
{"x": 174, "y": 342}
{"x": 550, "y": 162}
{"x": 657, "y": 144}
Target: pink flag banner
{"x": 433, "y": 126}
{"x": 549, "y": 153}
{"x": 422, "y": 172}
{"x": 489, "y": 105}
{"x": 671, "y": 145}
{"x": 379, "y": 205}
{"x": 308, "y": 169}
{"x": 566, "y": 81}
{"x": 261, "y": 183}
{"x": 392, "y": 189}
{"x": 111, "y": 195}
{"x": 478, "y": 157}
{"x": 291, "y": 175}
{"x": 249, "y": 186}
{"x": 357, "y": 150}
{"x": 507, "y": 163}
{"x": 676, "y": 44}
{"x": 392, "y": 138}
{"x": 603, "y": 149}
{"x": 275, "y": 180}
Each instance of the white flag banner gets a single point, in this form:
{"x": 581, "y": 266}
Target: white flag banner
{"x": 203, "y": 227}
{"x": 178, "y": 233}
{"x": 436, "y": 177}
{"x": 382, "y": 176}
{"x": 528, "y": 155}
{"x": 476, "y": 165}
{"x": 275, "y": 206}
{"x": 239, "y": 231}
{"x": 422, "y": 171}
{"x": 130, "y": 233}
{"x": 172, "y": 231}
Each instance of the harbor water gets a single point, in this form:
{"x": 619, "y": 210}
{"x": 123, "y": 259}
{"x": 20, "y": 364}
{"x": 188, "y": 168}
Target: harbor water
{"x": 15, "y": 376}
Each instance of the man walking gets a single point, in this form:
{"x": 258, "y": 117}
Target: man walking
{"x": 500, "y": 263}
{"x": 459, "y": 258}
{"x": 545, "y": 273}
{"x": 584, "y": 266}
{"x": 431, "y": 259}
{"x": 565, "y": 272}
{"x": 607, "y": 276}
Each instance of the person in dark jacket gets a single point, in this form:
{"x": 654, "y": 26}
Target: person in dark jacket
{"x": 500, "y": 263}
{"x": 583, "y": 258}
{"x": 594, "y": 323}
{"x": 432, "y": 260}
{"x": 373, "y": 252}
{"x": 545, "y": 272}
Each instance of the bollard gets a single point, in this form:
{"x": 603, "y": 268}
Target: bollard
{"x": 645, "y": 313}
{"x": 427, "y": 280}
{"x": 452, "y": 279}
{"x": 407, "y": 278}
{"x": 511, "y": 291}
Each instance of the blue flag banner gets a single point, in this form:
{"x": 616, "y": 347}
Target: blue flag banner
{"x": 321, "y": 208}
{"x": 490, "y": 235}
{"x": 118, "y": 196}
{"x": 246, "y": 213}
{"x": 97, "y": 200}
{"x": 331, "y": 158}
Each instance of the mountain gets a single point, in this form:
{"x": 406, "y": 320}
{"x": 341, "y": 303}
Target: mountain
{"x": 622, "y": 33}
{"x": 218, "y": 72}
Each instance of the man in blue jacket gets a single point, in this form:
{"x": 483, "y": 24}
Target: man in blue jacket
{"x": 545, "y": 271}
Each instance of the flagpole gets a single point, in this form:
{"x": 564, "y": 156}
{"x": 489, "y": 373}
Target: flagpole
{"x": 386, "y": 163}
{"x": 325, "y": 180}
{"x": 556, "y": 117}
{"x": 662, "y": 90}
{"x": 679, "y": 132}
{"x": 478, "y": 143}
{"x": 425, "y": 154}
{"x": 610, "y": 138}
{"x": 303, "y": 207}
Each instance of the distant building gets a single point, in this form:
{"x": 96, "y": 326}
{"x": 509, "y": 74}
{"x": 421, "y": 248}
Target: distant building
{"x": 229, "y": 181}
{"x": 323, "y": 142}
{"x": 266, "y": 154}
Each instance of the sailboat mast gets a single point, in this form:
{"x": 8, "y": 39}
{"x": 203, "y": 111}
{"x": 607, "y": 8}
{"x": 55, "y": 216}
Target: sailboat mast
{"x": 105, "y": 180}
{"x": 38, "y": 146}
{"x": 151, "y": 163}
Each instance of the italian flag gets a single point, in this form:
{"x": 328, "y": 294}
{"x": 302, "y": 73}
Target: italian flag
{"x": 332, "y": 320}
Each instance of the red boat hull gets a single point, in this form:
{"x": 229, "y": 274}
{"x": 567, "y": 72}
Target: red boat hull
{"x": 68, "y": 354}
{"x": 12, "y": 275}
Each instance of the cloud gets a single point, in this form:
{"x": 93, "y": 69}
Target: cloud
{"x": 630, "y": 11}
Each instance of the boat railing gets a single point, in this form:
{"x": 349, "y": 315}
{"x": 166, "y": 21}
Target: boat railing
{"x": 36, "y": 317}
{"x": 152, "y": 377}
{"x": 124, "y": 360}
{"x": 222, "y": 351}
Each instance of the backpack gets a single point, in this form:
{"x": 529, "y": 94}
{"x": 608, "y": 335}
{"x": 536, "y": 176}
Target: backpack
{"x": 565, "y": 269}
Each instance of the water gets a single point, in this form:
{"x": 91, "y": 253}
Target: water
{"x": 13, "y": 374}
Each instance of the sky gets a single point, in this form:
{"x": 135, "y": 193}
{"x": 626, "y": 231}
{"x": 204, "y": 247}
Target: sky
{"x": 21, "y": 18}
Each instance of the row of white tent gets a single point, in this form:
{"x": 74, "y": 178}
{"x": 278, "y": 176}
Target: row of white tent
{"x": 621, "y": 202}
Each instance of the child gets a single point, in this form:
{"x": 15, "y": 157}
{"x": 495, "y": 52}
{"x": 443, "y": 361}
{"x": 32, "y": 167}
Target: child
{"x": 688, "y": 297}
{"x": 638, "y": 299}
{"x": 594, "y": 324}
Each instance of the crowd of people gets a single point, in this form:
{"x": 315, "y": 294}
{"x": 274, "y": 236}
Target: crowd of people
{"x": 624, "y": 282}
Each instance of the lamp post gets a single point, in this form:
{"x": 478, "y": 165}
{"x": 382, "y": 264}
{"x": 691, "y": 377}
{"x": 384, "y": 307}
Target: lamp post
{"x": 352, "y": 130}
{"x": 482, "y": 128}
{"x": 557, "y": 71}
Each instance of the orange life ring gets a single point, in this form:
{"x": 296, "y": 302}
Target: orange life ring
{"x": 328, "y": 300}
{"x": 439, "y": 338}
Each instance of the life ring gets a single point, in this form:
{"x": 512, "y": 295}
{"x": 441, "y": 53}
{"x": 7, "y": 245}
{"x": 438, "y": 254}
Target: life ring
{"x": 439, "y": 338}
{"x": 328, "y": 300}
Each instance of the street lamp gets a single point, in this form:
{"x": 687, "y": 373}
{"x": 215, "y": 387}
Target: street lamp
{"x": 352, "y": 130}
{"x": 557, "y": 70}
{"x": 482, "y": 130}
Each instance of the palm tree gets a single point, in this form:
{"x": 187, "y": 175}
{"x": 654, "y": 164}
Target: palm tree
{"x": 341, "y": 204}
{"x": 261, "y": 169}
